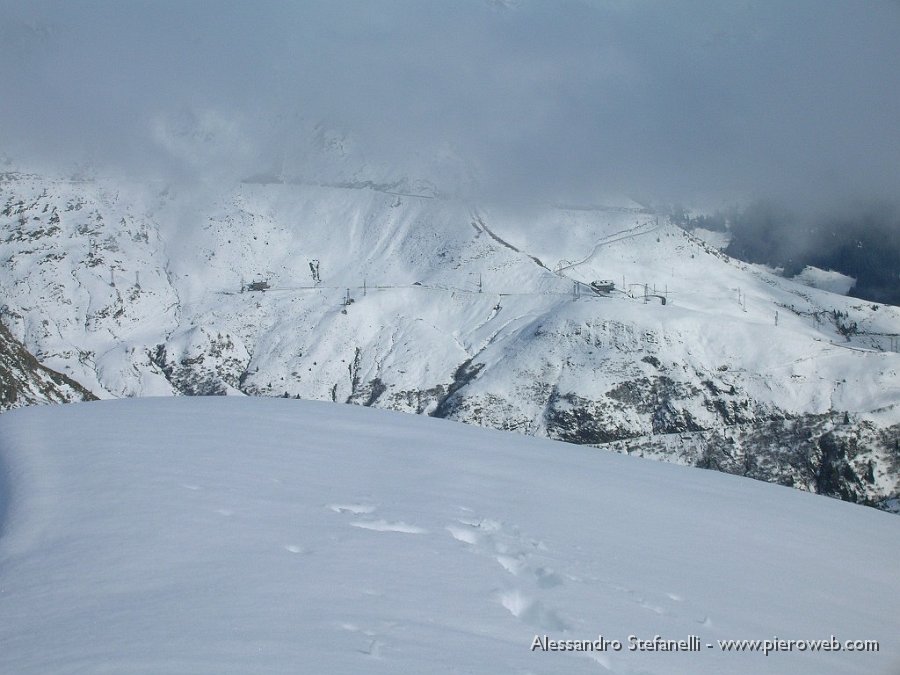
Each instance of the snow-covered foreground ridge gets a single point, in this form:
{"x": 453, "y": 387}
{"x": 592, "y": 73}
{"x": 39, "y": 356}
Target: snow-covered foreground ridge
{"x": 225, "y": 535}
{"x": 460, "y": 311}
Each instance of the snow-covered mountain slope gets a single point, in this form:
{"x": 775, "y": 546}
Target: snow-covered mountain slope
{"x": 391, "y": 295}
{"x": 233, "y": 535}
{"x": 24, "y": 381}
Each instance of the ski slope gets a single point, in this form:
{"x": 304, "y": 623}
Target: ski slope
{"x": 238, "y": 535}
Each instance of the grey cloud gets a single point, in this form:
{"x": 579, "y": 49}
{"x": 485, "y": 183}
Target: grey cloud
{"x": 548, "y": 100}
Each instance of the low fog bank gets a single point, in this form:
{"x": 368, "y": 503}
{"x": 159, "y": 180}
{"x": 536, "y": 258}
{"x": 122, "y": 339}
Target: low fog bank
{"x": 860, "y": 239}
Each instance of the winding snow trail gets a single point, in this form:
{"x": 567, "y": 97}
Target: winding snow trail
{"x": 624, "y": 235}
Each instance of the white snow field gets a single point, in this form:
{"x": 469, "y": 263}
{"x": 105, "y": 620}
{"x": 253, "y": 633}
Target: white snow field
{"x": 238, "y": 535}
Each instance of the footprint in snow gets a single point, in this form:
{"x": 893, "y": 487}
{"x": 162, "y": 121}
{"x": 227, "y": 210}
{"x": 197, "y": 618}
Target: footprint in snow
{"x": 375, "y": 525}
{"x": 508, "y": 547}
{"x": 602, "y": 659}
{"x": 373, "y": 649}
{"x": 372, "y": 646}
{"x": 642, "y": 602}
{"x": 513, "y": 565}
{"x": 533, "y": 612}
{"x": 653, "y": 608}
{"x": 466, "y": 535}
{"x": 356, "y": 509}
{"x": 547, "y": 578}
{"x": 514, "y": 552}
{"x": 384, "y": 526}
{"x": 294, "y": 548}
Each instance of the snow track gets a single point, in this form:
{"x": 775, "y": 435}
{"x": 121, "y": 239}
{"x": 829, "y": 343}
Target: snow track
{"x": 623, "y": 235}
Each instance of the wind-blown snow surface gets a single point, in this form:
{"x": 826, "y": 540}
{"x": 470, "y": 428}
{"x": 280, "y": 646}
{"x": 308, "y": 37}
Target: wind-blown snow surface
{"x": 236, "y": 535}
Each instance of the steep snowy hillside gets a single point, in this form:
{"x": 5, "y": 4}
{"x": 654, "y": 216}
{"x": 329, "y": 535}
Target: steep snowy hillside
{"x": 232, "y": 535}
{"x": 393, "y": 295}
{"x": 24, "y": 381}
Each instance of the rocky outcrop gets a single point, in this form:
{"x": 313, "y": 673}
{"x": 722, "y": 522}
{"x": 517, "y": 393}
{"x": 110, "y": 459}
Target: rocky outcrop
{"x": 24, "y": 381}
{"x": 833, "y": 454}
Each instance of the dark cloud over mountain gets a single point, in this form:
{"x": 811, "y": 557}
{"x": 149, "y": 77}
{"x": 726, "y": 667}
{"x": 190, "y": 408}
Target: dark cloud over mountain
{"x": 558, "y": 100}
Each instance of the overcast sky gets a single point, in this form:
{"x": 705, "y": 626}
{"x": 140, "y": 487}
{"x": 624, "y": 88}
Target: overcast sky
{"x": 663, "y": 100}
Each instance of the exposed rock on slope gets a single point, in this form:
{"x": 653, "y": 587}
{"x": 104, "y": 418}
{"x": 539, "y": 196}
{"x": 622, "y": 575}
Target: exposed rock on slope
{"x": 24, "y": 381}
